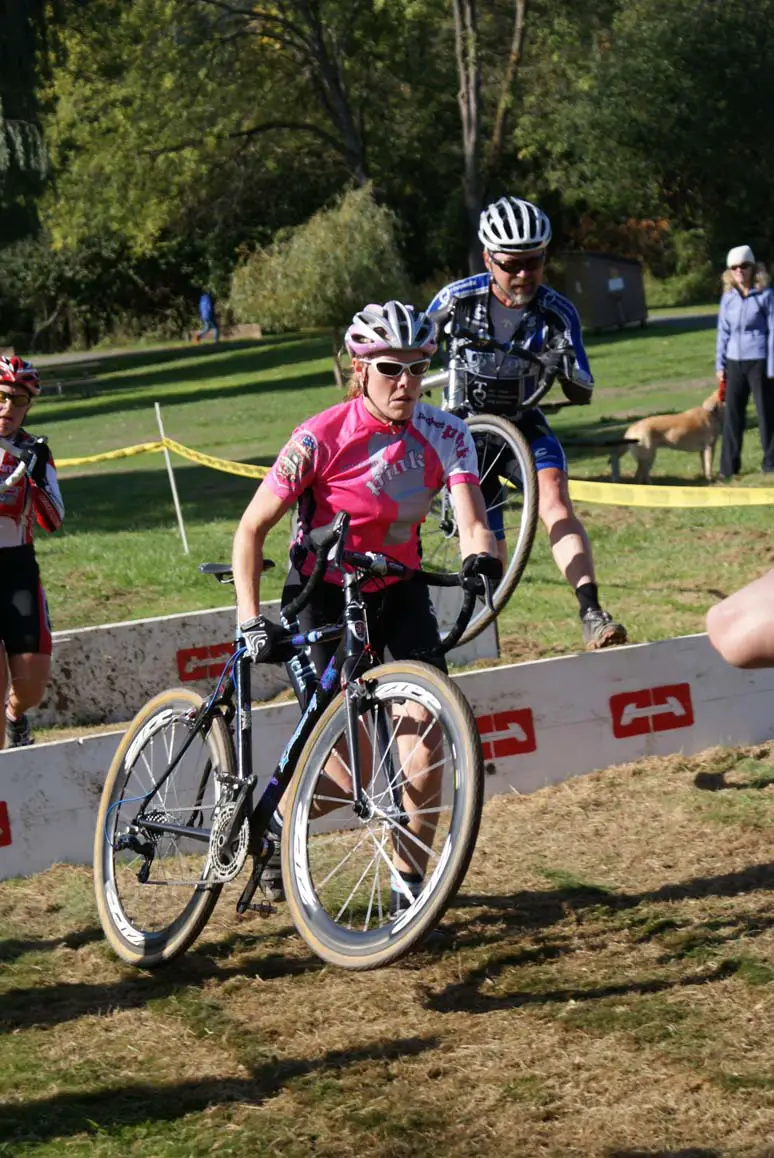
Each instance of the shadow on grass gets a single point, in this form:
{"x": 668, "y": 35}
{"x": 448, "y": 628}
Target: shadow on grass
{"x": 140, "y": 500}
{"x": 151, "y": 357}
{"x": 660, "y": 328}
{"x": 47, "y": 1005}
{"x": 111, "y": 399}
{"x": 691, "y": 1152}
{"x": 143, "y": 1102}
{"x": 13, "y": 948}
{"x": 467, "y": 995}
{"x": 501, "y": 918}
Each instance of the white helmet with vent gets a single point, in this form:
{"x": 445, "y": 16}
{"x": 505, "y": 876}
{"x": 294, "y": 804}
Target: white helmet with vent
{"x": 511, "y": 225}
{"x": 393, "y": 326}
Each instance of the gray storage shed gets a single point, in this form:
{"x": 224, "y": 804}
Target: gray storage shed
{"x": 606, "y": 290}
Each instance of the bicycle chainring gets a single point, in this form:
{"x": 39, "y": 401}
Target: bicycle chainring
{"x": 225, "y": 862}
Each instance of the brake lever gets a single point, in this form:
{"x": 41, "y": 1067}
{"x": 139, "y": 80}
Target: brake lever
{"x": 488, "y": 592}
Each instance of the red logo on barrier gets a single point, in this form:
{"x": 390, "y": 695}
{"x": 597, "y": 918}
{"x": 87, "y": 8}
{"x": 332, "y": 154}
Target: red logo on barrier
{"x": 651, "y": 710}
{"x": 5, "y": 825}
{"x": 202, "y": 663}
{"x": 507, "y": 733}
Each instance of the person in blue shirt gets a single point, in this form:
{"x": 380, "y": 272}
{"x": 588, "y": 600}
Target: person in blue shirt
{"x": 745, "y": 356}
{"x": 207, "y": 315}
{"x": 486, "y": 320}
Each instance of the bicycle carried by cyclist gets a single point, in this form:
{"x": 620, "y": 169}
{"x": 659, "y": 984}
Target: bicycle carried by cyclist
{"x": 179, "y": 815}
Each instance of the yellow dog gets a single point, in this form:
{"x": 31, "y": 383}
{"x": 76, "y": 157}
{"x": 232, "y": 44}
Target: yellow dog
{"x": 695, "y": 429}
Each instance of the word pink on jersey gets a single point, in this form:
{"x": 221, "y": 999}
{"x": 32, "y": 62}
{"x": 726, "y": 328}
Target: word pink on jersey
{"x": 384, "y": 476}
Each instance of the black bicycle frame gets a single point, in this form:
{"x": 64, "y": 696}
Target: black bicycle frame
{"x": 338, "y": 673}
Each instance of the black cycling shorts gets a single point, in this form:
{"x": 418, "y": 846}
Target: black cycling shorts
{"x": 25, "y": 627}
{"x": 401, "y": 620}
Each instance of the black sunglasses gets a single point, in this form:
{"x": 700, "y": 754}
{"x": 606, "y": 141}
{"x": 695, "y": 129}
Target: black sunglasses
{"x": 519, "y": 264}
{"x": 395, "y": 369}
{"x": 742, "y": 265}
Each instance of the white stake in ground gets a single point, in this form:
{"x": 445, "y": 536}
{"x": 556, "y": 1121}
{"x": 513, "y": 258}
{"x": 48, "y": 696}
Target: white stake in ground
{"x": 170, "y": 472}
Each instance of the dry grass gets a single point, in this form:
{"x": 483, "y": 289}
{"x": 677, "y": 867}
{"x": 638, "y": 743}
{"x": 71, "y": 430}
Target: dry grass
{"x": 604, "y": 988}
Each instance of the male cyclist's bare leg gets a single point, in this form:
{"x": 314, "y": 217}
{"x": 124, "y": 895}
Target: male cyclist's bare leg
{"x": 569, "y": 542}
{"x": 572, "y": 554}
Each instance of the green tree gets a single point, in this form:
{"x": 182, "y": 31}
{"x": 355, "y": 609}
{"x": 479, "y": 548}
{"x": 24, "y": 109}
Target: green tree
{"x": 317, "y": 277}
{"x": 667, "y": 114}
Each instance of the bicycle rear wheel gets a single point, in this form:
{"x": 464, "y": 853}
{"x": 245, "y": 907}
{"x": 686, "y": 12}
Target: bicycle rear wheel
{"x": 420, "y": 809}
{"x": 153, "y": 890}
{"x": 509, "y": 486}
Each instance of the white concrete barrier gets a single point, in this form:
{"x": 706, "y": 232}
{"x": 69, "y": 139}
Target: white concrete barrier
{"x": 540, "y": 723}
{"x": 103, "y": 675}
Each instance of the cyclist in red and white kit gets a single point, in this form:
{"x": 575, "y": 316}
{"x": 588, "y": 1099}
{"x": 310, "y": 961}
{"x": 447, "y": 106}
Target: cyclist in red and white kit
{"x": 382, "y": 455}
{"x": 25, "y": 629}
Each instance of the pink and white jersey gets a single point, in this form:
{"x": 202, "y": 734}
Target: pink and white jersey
{"x": 384, "y": 476}
{"x": 26, "y": 503}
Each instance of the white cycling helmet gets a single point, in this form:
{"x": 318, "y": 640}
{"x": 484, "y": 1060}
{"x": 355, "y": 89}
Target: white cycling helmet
{"x": 393, "y": 326}
{"x": 511, "y": 225}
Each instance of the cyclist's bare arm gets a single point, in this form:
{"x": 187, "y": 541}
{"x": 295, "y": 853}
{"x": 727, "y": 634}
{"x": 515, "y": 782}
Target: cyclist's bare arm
{"x": 263, "y": 512}
{"x": 472, "y": 525}
{"x": 741, "y": 627}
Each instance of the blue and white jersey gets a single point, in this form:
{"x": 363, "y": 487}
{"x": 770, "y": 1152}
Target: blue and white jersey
{"x": 495, "y": 374}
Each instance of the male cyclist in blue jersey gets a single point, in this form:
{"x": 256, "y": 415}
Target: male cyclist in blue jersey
{"x": 486, "y": 320}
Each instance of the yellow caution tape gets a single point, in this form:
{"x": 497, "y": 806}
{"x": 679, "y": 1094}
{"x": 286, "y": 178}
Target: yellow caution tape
{"x": 611, "y": 494}
{"x": 241, "y": 468}
{"x": 125, "y": 452}
{"x": 628, "y": 495}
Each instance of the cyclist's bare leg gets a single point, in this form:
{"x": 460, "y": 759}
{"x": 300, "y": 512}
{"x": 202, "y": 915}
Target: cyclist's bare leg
{"x": 29, "y": 676}
{"x": 421, "y": 754}
{"x": 3, "y": 690}
{"x": 569, "y": 542}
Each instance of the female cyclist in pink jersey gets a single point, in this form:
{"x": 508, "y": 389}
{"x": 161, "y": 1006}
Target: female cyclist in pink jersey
{"x": 382, "y": 456}
{"x": 25, "y": 630}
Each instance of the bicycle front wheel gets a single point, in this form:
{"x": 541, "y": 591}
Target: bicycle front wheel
{"x": 346, "y": 863}
{"x": 506, "y": 469}
{"x": 152, "y": 889}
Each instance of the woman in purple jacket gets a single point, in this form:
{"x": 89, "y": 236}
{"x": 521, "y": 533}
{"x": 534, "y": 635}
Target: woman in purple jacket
{"x": 745, "y": 356}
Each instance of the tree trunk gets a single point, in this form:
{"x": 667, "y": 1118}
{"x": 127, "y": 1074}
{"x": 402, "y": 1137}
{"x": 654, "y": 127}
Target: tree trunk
{"x": 494, "y": 153}
{"x": 338, "y": 373}
{"x": 466, "y": 51}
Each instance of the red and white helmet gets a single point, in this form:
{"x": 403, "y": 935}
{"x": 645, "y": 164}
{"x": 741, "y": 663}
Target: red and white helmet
{"x": 393, "y": 326}
{"x": 16, "y": 372}
{"x": 511, "y": 225}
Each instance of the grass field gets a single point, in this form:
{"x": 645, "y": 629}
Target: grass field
{"x": 604, "y": 984}
{"x": 119, "y": 556}
{"x": 604, "y": 989}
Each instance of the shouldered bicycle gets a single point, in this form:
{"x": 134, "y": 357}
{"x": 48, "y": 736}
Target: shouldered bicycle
{"x": 383, "y": 770}
{"x": 506, "y": 470}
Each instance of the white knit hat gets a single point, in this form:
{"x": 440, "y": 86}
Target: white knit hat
{"x": 739, "y": 254}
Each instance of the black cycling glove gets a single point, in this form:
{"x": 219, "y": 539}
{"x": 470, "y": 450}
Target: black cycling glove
{"x": 36, "y": 457}
{"x": 488, "y": 566}
{"x": 266, "y": 642}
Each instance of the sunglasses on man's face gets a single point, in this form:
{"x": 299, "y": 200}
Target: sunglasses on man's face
{"x": 14, "y": 401}
{"x": 392, "y": 369}
{"x": 743, "y": 265}
{"x": 519, "y": 264}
